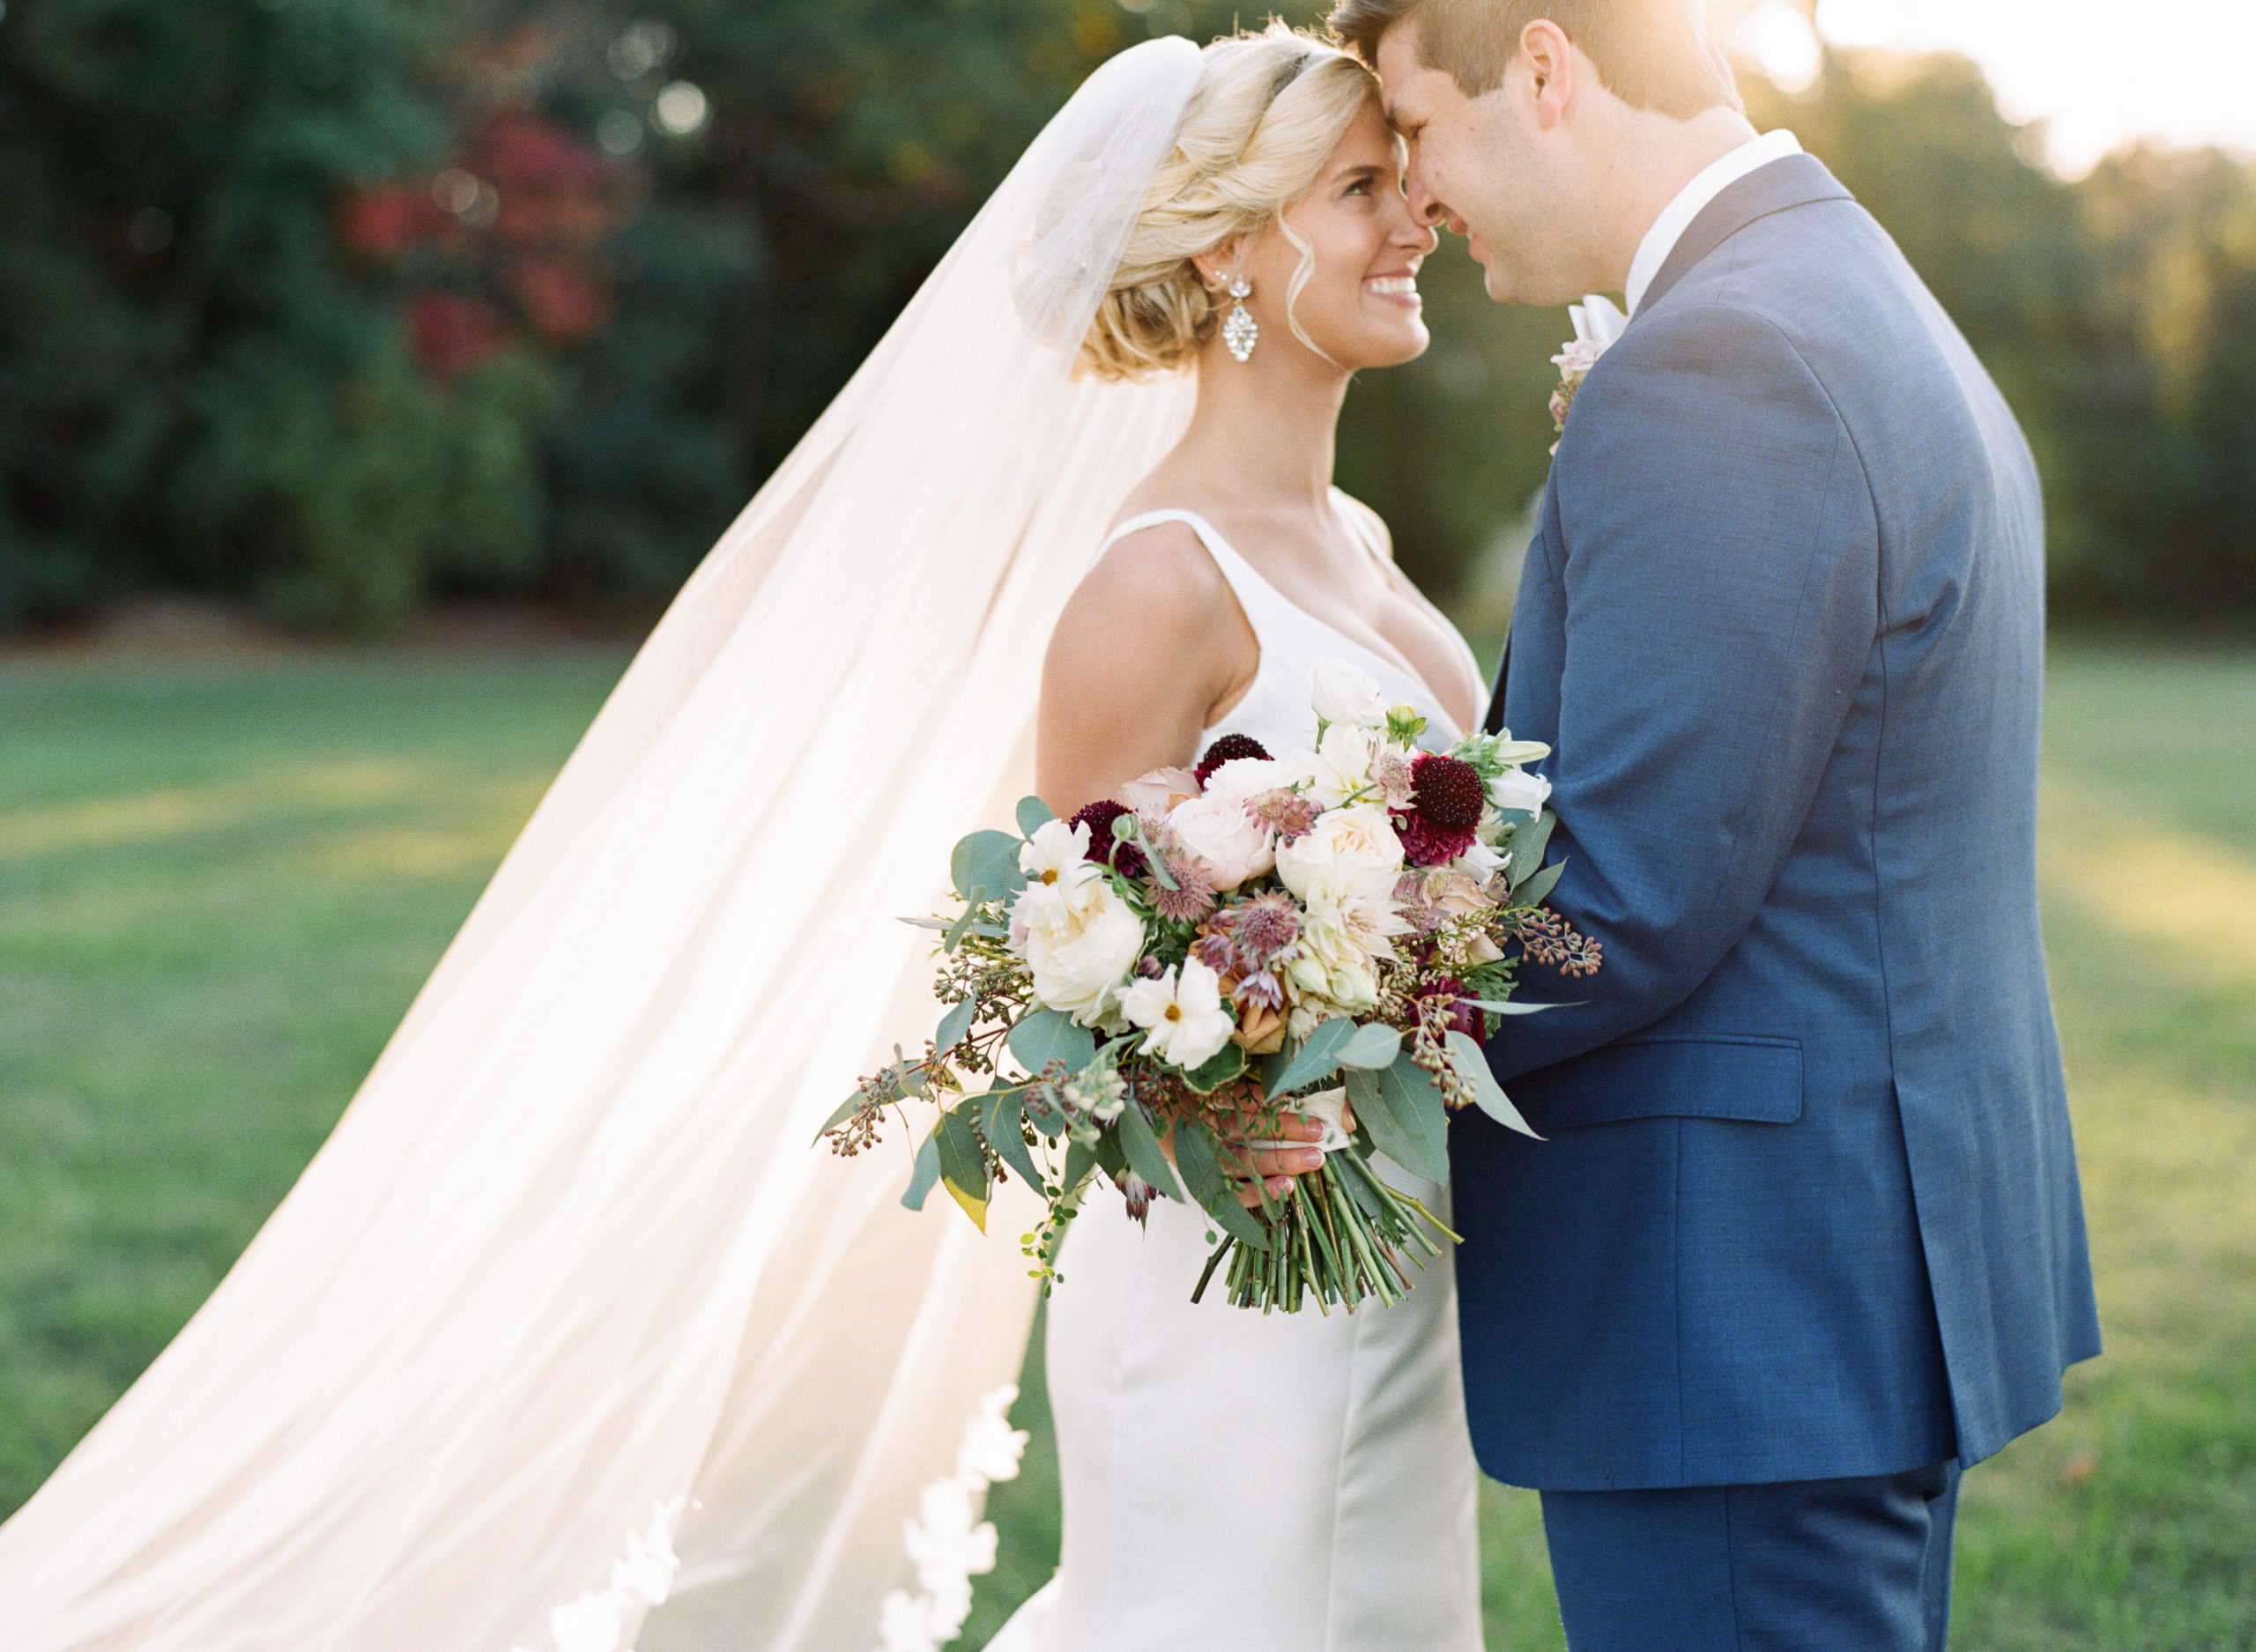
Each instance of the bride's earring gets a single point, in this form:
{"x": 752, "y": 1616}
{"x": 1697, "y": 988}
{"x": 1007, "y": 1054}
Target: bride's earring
{"x": 1240, "y": 331}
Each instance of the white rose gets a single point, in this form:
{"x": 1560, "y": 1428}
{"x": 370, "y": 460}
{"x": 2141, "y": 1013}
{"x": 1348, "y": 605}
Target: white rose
{"x": 1228, "y": 841}
{"x": 1349, "y": 849}
{"x": 1340, "y": 767}
{"x": 1517, "y": 790}
{"x": 1341, "y": 693}
{"x": 1079, "y": 944}
{"x": 1183, "y": 1016}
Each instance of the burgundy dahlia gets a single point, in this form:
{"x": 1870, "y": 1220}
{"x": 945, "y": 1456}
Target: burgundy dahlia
{"x": 1230, "y": 749}
{"x": 1123, "y": 857}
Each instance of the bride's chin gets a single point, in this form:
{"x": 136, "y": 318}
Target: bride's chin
{"x": 1403, "y": 347}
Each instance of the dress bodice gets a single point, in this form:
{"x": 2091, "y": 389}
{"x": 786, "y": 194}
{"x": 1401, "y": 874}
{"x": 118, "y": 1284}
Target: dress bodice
{"x": 1275, "y": 709}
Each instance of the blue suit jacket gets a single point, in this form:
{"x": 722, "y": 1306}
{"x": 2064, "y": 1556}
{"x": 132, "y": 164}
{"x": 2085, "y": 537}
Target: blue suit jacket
{"x": 1809, "y": 1207}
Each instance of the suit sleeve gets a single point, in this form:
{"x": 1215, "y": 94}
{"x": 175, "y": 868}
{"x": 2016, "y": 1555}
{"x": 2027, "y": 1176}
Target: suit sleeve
{"x": 1717, "y": 565}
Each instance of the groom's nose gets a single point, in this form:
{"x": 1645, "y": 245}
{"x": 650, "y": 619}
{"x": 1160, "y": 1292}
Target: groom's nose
{"x": 1425, "y": 206}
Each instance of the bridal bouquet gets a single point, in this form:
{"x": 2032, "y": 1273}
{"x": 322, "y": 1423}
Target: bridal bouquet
{"x": 1136, "y": 990}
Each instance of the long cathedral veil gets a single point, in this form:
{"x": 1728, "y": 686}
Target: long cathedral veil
{"x": 569, "y": 1255}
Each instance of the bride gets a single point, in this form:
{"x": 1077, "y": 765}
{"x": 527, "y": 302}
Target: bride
{"x": 1237, "y": 1480}
{"x": 566, "y": 1339}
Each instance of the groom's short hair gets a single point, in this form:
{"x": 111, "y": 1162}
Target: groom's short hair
{"x": 1653, "y": 55}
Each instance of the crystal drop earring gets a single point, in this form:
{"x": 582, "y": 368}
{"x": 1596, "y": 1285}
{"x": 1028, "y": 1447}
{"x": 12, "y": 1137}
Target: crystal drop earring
{"x": 1240, "y": 331}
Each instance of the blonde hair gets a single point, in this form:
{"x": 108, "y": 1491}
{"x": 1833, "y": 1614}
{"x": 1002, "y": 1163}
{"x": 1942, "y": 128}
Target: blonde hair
{"x": 1269, "y": 110}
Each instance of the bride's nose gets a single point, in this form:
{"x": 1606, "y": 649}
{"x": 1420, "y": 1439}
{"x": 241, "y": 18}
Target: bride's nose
{"x": 1414, "y": 233}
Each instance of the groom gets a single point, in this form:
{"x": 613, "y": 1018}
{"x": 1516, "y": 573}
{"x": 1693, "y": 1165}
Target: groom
{"x": 1806, "y": 1236}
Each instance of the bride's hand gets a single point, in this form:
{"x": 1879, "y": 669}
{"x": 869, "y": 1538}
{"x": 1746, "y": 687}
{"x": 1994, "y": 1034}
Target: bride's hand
{"x": 1257, "y": 1145}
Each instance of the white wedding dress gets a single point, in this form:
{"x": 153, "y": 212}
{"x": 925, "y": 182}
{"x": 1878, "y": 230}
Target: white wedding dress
{"x": 1240, "y": 1482}
{"x": 569, "y": 1293}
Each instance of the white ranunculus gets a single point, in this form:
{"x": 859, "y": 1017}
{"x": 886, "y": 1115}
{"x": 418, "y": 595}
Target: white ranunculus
{"x": 1182, "y": 1015}
{"x": 1345, "y": 694}
{"x": 1517, "y": 789}
{"x": 1349, "y": 849}
{"x": 1231, "y": 845}
{"x": 1080, "y": 938}
{"x": 1340, "y": 767}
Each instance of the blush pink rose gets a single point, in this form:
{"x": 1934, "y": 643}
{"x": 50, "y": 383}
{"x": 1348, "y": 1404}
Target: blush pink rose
{"x": 1230, "y": 843}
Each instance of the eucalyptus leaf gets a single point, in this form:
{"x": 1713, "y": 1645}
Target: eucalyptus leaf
{"x": 1000, "y": 1112}
{"x": 847, "y": 1108}
{"x": 925, "y": 1172}
{"x": 1198, "y": 1163}
{"x": 1145, "y": 1156}
{"x": 1405, "y": 1116}
{"x": 952, "y": 1026}
{"x": 1371, "y": 1049}
{"x": 1498, "y": 1007}
{"x": 963, "y": 925}
{"x": 963, "y": 1168}
{"x": 1526, "y": 845}
{"x": 1049, "y": 1120}
{"x": 1111, "y": 1156}
{"x": 1034, "y": 814}
{"x": 1224, "y": 1065}
{"x": 1049, "y": 1035}
{"x": 1471, "y": 1064}
{"x": 1316, "y": 1060}
{"x": 1236, "y": 1220}
{"x": 986, "y": 861}
{"x": 1537, "y": 889}
{"x": 1080, "y": 1164}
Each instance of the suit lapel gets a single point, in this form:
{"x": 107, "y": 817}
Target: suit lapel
{"x": 1783, "y": 185}
{"x": 1796, "y": 181}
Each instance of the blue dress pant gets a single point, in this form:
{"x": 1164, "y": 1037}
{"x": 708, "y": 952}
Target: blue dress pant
{"x": 1808, "y": 1565}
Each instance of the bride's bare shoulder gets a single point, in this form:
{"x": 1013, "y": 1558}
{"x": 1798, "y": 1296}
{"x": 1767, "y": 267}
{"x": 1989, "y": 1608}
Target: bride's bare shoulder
{"x": 1160, "y": 578}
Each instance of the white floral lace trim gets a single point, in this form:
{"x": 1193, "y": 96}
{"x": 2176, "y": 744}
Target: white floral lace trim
{"x": 948, "y": 1542}
{"x": 596, "y": 1622}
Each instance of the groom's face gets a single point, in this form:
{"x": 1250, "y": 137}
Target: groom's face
{"x": 1476, "y": 168}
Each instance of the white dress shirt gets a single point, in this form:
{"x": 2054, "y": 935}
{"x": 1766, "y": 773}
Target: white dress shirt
{"x": 1669, "y": 228}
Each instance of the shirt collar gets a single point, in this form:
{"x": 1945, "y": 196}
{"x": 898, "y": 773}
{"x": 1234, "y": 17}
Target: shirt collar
{"x": 1676, "y": 217}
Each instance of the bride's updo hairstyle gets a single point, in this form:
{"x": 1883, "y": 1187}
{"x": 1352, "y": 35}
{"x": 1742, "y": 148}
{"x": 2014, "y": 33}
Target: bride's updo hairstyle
{"x": 1268, "y": 112}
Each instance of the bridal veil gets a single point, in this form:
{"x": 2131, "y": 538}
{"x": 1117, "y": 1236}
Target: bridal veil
{"x": 570, "y": 1254}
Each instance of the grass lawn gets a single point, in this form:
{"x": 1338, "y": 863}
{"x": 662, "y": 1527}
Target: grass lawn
{"x": 220, "y": 884}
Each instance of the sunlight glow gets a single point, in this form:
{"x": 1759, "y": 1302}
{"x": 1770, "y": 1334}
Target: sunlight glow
{"x": 2099, "y": 74}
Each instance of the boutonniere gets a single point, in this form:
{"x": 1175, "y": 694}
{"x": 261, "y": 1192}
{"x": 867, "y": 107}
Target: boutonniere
{"x": 1597, "y": 325}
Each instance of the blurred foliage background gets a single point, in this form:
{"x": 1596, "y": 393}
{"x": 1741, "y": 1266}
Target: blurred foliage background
{"x": 333, "y": 307}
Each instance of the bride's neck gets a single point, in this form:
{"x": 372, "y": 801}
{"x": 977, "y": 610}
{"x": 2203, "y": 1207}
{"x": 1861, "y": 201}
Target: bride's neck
{"x": 1264, "y": 432}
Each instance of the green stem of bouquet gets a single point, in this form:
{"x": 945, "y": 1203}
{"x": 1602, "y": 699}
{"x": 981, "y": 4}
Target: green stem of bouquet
{"x": 1326, "y": 1244}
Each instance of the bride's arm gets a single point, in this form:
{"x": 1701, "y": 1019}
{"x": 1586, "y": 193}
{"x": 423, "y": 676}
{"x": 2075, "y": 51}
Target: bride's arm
{"x": 1148, "y": 649}
{"x": 1152, "y": 647}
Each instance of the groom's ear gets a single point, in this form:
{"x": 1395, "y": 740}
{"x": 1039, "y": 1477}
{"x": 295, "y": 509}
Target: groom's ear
{"x": 1549, "y": 60}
